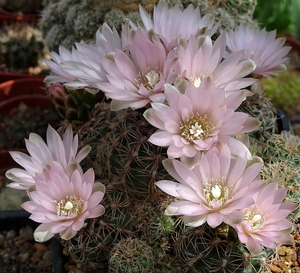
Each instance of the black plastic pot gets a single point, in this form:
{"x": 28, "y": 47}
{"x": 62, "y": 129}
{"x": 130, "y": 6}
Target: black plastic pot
{"x": 283, "y": 122}
{"x": 15, "y": 219}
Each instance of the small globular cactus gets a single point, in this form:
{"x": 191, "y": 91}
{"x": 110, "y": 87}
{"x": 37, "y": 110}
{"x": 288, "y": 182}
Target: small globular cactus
{"x": 259, "y": 106}
{"x": 205, "y": 249}
{"x": 283, "y": 147}
{"x": 281, "y": 154}
{"x": 92, "y": 246}
{"x": 133, "y": 161}
{"x": 131, "y": 255}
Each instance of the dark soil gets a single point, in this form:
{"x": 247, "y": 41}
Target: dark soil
{"x": 19, "y": 253}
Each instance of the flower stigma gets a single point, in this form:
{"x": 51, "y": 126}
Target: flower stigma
{"x": 196, "y": 127}
{"x": 255, "y": 217}
{"x": 195, "y": 81}
{"x": 70, "y": 205}
{"x": 152, "y": 78}
{"x": 216, "y": 191}
{"x": 148, "y": 80}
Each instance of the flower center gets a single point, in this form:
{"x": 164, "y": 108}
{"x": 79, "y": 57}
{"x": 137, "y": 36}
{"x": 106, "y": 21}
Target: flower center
{"x": 196, "y": 81}
{"x": 152, "y": 78}
{"x": 255, "y": 57}
{"x": 148, "y": 80}
{"x": 255, "y": 217}
{"x": 215, "y": 190}
{"x": 70, "y": 205}
{"x": 196, "y": 127}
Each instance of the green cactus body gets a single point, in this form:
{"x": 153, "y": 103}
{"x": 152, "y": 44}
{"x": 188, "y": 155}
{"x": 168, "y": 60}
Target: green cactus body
{"x": 261, "y": 108}
{"x": 121, "y": 151}
{"x": 134, "y": 161}
{"x": 91, "y": 247}
{"x": 204, "y": 249}
{"x": 241, "y": 6}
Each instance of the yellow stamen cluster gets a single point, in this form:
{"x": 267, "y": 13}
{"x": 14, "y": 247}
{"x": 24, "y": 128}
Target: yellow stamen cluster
{"x": 196, "y": 127}
{"x": 70, "y": 205}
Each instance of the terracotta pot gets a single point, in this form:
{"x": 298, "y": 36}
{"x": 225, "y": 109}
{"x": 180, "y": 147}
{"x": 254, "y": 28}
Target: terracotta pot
{"x": 26, "y": 86}
{"x": 6, "y": 16}
{"x": 7, "y": 76}
{"x": 292, "y": 42}
{"x": 30, "y": 100}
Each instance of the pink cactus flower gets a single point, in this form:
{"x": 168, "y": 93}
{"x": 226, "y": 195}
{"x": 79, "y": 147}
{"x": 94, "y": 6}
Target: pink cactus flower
{"x": 173, "y": 23}
{"x": 86, "y": 65}
{"x": 61, "y": 203}
{"x": 262, "y": 47}
{"x": 81, "y": 67}
{"x": 137, "y": 78}
{"x": 214, "y": 191}
{"x": 194, "y": 121}
{"x": 42, "y": 155}
{"x": 264, "y": 223}
{"x": 55, "y": 65}
{"x": 200, "y": 58}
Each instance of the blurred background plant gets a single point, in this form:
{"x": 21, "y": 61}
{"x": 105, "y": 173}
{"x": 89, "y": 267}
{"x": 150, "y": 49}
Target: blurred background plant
{"x": 284, "y": 92}
{"x": 22, "y": 6}
{"x": 21, "y": 48}
{"x": 282, "y": 15}
{"x": 17, "y": 123}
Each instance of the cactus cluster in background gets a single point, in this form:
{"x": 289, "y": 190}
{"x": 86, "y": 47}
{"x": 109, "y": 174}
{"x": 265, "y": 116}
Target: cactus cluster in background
{"x": 230, "y": 13}
{"x": 11, "y": 199}
{"x": 65, "y": 22}
{"x": 68, "y": 21}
